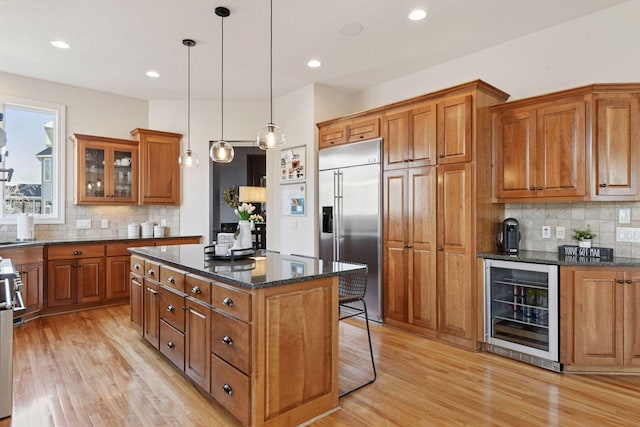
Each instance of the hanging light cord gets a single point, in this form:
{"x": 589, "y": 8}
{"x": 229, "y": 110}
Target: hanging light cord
{"x": 222, "y": 80}
{"x": 271, "y": 60}
{"x": 189, "y": 98}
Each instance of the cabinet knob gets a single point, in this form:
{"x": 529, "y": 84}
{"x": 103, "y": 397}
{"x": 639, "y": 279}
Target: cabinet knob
{"x": 532, "y": 188}
{"x": 170, "y": 344}
{"x": 227, "y": 340}
{"x": 440, "y": 248}
{"x": 539, "y": 188}
{"x": 136, "y": 266}
{"x": 227, "y": 389}
{"x": 151, "y": 272}
{"x": 441, "y": 156}
{"x": 196, "y": 290}
{"x": 629, "y": 281}
{"x": 170, "y": 279}
{"x": 621, "y": 281}
{"x": 171, "y": 308}
{"x": 603, "y": 185}
{"x": 228, "y": 302}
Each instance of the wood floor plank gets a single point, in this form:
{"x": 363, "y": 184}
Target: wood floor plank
{"x": 92, "y": 369}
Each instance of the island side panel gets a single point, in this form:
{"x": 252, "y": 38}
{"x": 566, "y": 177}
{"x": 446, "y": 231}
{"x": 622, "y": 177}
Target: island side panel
{"x": 298, "y": 352}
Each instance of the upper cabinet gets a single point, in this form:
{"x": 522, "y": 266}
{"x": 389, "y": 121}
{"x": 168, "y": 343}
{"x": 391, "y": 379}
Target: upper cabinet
{"x": 106, "y": 170}
{"x": 159, "y": 168}
{"x": 343, "y": 131}
{"x": 410, "y": 136}
{"x": 575, "y": 145}
{"x": 454, "y": 129}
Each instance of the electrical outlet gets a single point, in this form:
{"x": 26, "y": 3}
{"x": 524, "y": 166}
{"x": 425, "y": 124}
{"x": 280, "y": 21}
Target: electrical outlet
{"x": 83, "y": 223}
{"x": 163, "y": 222}
{"x": 559, "y": 232}
{"x": 546, "y": 232}
{"x": 627, "y": 234}
{"x": 104, "y": 223}
{"x": 624, "y": 216}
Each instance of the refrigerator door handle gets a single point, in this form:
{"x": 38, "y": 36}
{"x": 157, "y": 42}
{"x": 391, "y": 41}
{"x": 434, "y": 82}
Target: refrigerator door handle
{"x": 336, "y": 215}
{"x": 338, "y": 212}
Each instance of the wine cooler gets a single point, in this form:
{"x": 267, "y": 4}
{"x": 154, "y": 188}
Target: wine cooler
{"x": 521, "y": 312}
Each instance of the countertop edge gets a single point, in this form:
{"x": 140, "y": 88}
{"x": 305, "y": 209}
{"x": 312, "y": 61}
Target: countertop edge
{"x": 539, "y": 257}
{"x": 46, "y": 242}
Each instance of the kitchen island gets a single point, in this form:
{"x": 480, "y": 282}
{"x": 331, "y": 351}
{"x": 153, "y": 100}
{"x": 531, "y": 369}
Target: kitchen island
{"x": 259, "y": 334}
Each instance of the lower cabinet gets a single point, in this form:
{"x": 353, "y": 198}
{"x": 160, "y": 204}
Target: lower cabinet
{"x": 75, "y": 281}
{"x": 198, "y": 343}
{"x": 29, "y": 261}
{"x": 117, "y": 285}
{"x": 600, "y": 318}
{"x": 151, "y": 313}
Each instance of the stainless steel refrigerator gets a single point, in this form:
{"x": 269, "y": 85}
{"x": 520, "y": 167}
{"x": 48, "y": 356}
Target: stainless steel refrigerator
{"x": 350, "y": 211}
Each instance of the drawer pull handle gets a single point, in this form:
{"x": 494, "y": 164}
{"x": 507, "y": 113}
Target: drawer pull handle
{"x": 196, "y": 290}
{"x": 76, "y": 253}
{"x": 170, "y": 279}
{"x": 227, "y": 389}
{"x": 629, "y": 281}
{"x": 532, "y": 188}
{"x": 136, "y": 266}
{"x": 151, "y": 272}
{"x": 227, "y": 340}
{"x": 170, "y": 344}
{"x": 603, "y": 185}
{"x": 228, "y": 302}
{"x": 171, "y": 308}
{"x": 621, "y": 281}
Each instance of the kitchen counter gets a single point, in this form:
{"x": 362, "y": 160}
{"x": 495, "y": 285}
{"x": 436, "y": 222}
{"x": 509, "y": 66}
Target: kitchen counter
{"x": 539, "y": 257}
{"x": 40, "y": 242}
{"x": 266, "y": 269}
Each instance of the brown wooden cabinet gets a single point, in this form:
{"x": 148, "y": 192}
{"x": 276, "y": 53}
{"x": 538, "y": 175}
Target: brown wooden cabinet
{"x": 151, "y": 304}
{"x": 616, "y": 146}
{"x": 136, "y": 292}
{"x": 409, "y": 137}
{"x": 600, "y": 318}
{"x": 106, "y": 170}
{"x": 197, "y": 358}
{"x": 28, "y": 261}
{"x": 540, "y": 151}
{"x": 454, "y": 129}
{"x": 343, "y": 131}
{"x": 159, "y": 168}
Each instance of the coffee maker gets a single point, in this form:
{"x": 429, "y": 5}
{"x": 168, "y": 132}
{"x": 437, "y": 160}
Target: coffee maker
{"x": 509, "y": 236}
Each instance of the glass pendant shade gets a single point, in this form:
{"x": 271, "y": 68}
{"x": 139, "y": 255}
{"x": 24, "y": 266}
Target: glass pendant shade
{"x": 189, "y": 159}
{"x": 221, "y": 152}
{"x": 270, "y": 136}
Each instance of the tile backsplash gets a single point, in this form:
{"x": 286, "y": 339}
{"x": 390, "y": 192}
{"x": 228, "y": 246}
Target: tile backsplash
{"x": 118, "y": 216}
{"x": 602, "y": 217}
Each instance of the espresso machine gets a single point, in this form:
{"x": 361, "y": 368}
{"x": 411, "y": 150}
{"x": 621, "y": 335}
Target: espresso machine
{"x": 509, "y": 236}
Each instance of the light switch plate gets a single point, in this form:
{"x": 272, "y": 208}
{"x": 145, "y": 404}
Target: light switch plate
{"x": 83, "y": 223}
{"x": 624, "y": 216}
{"x": 546, "y": 232}
{"x": 559, "y": 232}
{"x": 104, "y": 223}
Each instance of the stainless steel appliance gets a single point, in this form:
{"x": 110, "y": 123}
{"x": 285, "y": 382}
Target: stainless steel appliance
{"x": 509, "y": 236}
{"x": 10, "y": 301}
{"x": 521, "y": 312}
{"x": 350, "y": 211}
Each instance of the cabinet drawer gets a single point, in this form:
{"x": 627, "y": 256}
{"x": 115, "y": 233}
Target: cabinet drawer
{"x": 120, "y": 248}
{"x": 172, "y": 308}
{"x": 23, "y": 255}
{"x": 74, "y": 251}
{"x": 363, "y": 129}
{"x": 231, "y": 301}
{"x": 230, "y": 388}
{"x": 137, "y": 265}
{"x": 230, "y": 340}
{"x": 172, "y": 344}
{"x": 172, "y": 277}
{"x": 198, "y": 287}
{"x": 152, "y": 270}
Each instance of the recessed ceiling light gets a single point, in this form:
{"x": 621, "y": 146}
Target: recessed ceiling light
{"x": 314, "y": 63}
{"x": 60, "y": 44}
{"x": 417, "y": 15}
{"x": 351, "y": 30}
{"x": 153, "y": 74}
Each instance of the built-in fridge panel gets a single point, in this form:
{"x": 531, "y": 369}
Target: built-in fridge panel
{"x": 350, "y": 211}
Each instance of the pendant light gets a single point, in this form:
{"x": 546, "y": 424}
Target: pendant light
{"x": 221, "y": 151}
{"x": 189, "y": 159}
{"x": 271, "y": 135}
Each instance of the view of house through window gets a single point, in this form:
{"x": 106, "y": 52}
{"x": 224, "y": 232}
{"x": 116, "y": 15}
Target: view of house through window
{"x": 32, "y": 158}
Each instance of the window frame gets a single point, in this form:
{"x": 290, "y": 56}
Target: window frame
{"x": 58, "y": 164}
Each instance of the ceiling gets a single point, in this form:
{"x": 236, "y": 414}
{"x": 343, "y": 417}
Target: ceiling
{"x": 115, "y": 42}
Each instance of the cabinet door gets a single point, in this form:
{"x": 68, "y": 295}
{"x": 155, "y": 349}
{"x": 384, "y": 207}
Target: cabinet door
{"x": 363, "y": 129}
{"x": 135, "y": 302}
{"x": 455, "y": 292}
{"x": 617, "y": 155}
{"x": 514, "y": 142}
{"x": 632, "y": 318}
{"x": 395, "y": 238}
{"x": 396, "y": 140}
{"x": 598, "y": 317}
{"x": 198, "y": 344}
{"x": 90, "y": 280}
{"x": 422, "y": 239}
{"x": 32, "y": 280}
{"x": 560, "y": 150}
{"x": 159, "y": 170}
{"x": 454, "y": 130}
{"x": 151, "y": 324}
{"x": 422, "y": 145}
{"x": 117, "y": 285}
{"x": 332, "y": 135}
{"x": 61, "y": 282}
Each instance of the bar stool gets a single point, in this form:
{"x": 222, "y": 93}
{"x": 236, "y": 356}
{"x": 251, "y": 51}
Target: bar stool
{"x": 352, "y": 288}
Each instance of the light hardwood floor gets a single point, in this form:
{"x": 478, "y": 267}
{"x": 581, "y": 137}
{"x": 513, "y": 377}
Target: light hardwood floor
{"x": 91, "y": 369}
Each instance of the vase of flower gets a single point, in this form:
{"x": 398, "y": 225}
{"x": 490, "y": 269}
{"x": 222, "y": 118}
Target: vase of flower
{"x": 243, "y": 238}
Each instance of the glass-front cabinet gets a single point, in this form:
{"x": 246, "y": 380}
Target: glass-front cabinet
{"x": 106, "y": 170}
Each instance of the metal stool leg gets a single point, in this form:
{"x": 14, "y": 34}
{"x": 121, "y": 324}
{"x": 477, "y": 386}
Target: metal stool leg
{"x": 373, "y": 363}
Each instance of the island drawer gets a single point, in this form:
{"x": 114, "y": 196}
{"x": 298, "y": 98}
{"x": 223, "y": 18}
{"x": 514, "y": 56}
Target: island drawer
{"x": 137, "y": 265}
{"x": 152, "y": 270}
{"x": 230, "y": 339}
{"x": 199, "y": 288}
{"x": 74, "y": 251}
{"x": 172, "y": 277}
{"x": 231, "y": 301}
{"x": 172, "y": 308}
{"x": 230, "y": 388}
{"x": 172, "y": 344}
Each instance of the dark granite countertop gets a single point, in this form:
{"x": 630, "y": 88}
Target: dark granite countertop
{"x": 538, "y": 257}
{"x": 113, "y": 239}
{"x": 266, "y": 269}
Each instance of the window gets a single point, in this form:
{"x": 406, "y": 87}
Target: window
{"x": 34, "y": 150}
